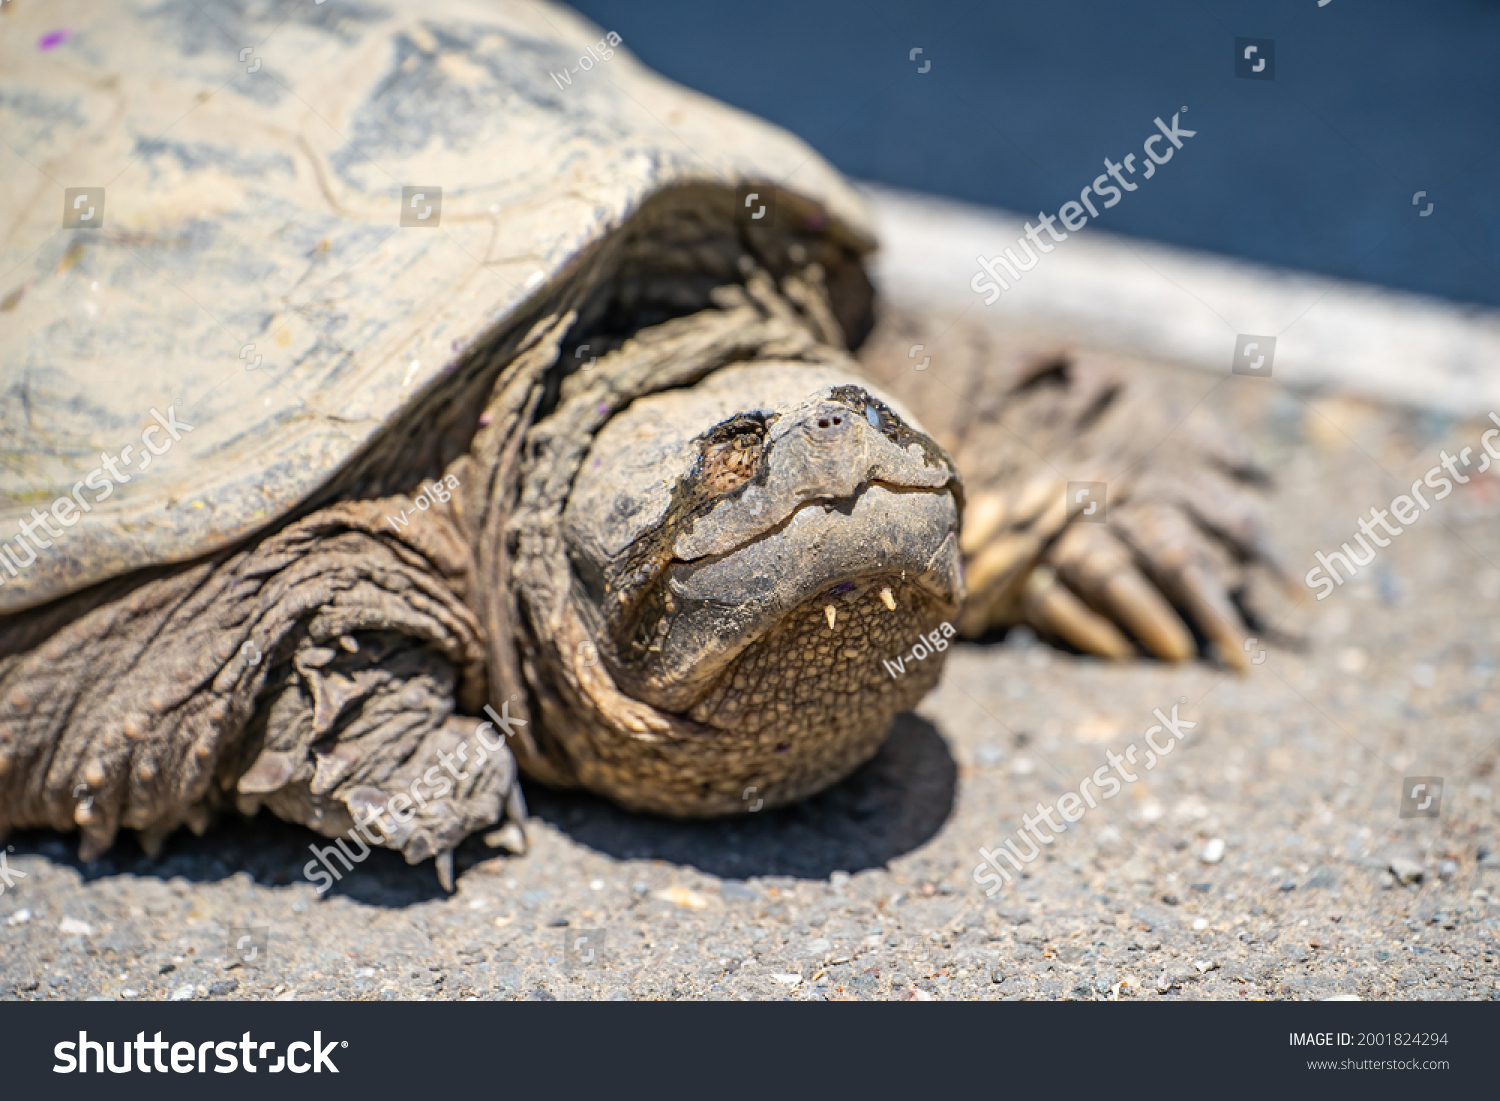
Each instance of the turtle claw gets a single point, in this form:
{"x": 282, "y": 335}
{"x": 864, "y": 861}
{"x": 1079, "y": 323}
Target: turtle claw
{"x": 91, "y": 846}
{"x": 1115, "y": 590}
{"x": 1053, "y": 609}
{"x": 151, "y": 839}
{"x": 444, "y": 864}
{"x": 1099, "y": 568}
{"x": 1182, "y": 563}
{"x": 510, "y": 838}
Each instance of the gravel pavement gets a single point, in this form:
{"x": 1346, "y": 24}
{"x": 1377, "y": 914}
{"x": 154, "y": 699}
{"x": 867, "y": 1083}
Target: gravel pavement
{"x": 1265, "y": 856}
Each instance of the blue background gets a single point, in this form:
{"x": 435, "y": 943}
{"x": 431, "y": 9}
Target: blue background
{"x": 1372, "y": 101}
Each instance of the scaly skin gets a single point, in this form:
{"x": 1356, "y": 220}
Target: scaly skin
{"x": 680, "y": 582}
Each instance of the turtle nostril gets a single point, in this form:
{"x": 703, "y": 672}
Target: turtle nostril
{"x": 828, "y": 425}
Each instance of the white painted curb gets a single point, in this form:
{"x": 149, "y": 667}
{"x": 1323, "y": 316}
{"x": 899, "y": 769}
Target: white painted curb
{"x": 1159, "y": 301}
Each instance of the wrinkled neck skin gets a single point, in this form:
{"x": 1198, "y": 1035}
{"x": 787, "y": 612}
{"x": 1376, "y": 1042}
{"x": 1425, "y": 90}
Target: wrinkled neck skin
{"x": 723, "y": 541}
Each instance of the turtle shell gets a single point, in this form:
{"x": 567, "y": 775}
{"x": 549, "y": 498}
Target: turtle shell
{"x": 243, "y": 239}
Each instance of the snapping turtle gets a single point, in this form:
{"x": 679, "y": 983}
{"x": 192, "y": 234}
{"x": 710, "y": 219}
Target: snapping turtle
{"x": 407, "y": 402}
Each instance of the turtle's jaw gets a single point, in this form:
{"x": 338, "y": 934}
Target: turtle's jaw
{"x": 828, "y": 557}
{"x": 813, "y": 698}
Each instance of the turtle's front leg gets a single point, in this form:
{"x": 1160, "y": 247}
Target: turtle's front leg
{"x": 1104, "y": 507}
{"x": 316, "y": 672}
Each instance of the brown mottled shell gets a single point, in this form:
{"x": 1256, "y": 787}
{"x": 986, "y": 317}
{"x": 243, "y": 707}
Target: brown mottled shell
{"x": 246, "y": 261}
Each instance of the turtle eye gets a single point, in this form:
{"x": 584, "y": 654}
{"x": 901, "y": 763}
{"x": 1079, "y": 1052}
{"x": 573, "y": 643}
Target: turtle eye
{"x": 732, "y": 454}
{"x": 877, "y": 414}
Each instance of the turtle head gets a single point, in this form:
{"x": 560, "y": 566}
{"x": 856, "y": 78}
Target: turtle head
{"x": 759, "y": 556}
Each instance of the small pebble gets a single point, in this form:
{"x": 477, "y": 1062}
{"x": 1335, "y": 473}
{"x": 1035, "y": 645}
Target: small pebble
{"x": 1213, "y": 852}
{"x": 1406, "y": 870}
{"x": 182, "y": 993}
{"x": 72, "y": 927}
{"x": 1020, "y": 638}
{"x": 1352, "y": 660}
{"x": 683, "y": 896}
{"x": 990, "y": 755}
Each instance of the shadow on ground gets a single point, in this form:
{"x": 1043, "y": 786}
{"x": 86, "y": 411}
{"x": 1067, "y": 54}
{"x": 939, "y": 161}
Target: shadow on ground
{"x": 272, "y": 852}
{"x": 888, "y": 807}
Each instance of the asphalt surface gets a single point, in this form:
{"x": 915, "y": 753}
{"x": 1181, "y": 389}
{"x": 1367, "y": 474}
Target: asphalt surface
{"x": 1265, "y": 856}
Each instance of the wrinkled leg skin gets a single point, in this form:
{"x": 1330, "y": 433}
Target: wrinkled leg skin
{"x": 315, "y": 672}
{"x": 1184, "y": 553}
